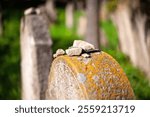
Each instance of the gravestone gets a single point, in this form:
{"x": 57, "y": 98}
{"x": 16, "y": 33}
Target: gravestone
{"x": 35, "y": 55}
{"x": 82, "y": 25}
{"x": 69, "y": 12}
{"x": 93, "y": 77}
{"x": 50, "y": 10}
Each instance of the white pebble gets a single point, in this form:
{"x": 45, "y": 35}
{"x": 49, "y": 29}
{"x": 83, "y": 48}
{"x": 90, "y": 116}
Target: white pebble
{"x": 74, "y": 51}
{"x": 84, "y": 45}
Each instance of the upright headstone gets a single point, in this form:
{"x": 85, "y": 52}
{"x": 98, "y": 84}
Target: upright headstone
{"x": 35, "y": 55}
{"x": 82, "y": 25}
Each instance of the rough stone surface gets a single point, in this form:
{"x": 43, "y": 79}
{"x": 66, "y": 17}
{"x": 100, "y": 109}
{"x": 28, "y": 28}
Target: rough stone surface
{"x": 85, "y": 55}
{"x": 59, "y": 52}
{"x": 35, "y": 56}
{"x": 81, "y": 77}
{"x": 75, "y": 51}
{"x": 101, "y": 77}
{"x": 84, "y": 45}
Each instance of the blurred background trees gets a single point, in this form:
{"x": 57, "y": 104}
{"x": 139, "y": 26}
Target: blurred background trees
{"x": 121, "y": 28}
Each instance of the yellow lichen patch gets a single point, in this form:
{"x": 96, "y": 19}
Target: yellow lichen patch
{"x": 97, "y": 77}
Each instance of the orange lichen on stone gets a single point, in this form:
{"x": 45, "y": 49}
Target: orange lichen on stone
{"x": 97, "y": 77}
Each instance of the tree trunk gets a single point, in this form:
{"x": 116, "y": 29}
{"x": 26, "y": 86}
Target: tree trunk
{"x": 134, "y": 32}
{"x": 36, "y": 56}
{"x": 92, "y": 33}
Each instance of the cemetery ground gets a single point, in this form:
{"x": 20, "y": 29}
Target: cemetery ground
{"x": 62, "y": 37}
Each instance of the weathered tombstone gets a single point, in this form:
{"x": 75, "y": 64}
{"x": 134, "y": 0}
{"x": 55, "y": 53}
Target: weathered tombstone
{"x": 35, "y": 55}
{"x": 97, "y": 76}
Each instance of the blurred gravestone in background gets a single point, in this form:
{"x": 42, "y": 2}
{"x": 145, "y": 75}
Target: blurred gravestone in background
{"x": 48, "y": 11}
{"x": 82, "y": 24}
{"x": 36, "y": 55}
{"x": 69, "y": 14}
{"x": 132, "y": 18}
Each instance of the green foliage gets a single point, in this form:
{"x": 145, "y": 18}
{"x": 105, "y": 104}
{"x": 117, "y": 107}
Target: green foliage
{"x": 10, "y": 59}
{"x": 138, "y": 80}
